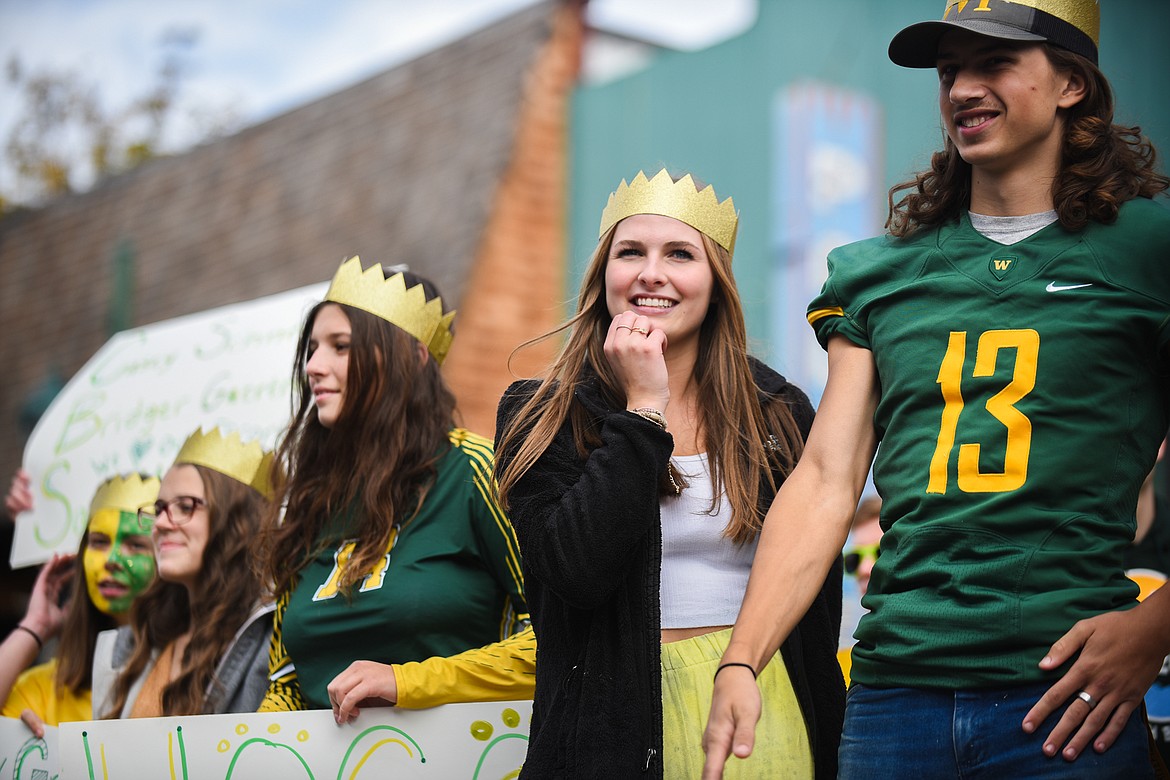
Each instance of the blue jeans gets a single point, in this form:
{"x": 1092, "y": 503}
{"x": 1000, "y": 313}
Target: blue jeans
{"x": 929, "y": 733}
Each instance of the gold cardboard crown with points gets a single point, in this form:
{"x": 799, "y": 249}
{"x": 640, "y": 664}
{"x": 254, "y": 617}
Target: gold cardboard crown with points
{"x": 681, "y": 200}
{"x": 125, "y": 493}
{"x": 245, "y": 462}
{"x": 390, "y": 299}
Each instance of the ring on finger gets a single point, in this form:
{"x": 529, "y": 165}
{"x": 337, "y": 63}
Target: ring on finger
{"x": 643, "y": 331}
{"x": 627, "y": 327}
{"x": 1087, "y": 699}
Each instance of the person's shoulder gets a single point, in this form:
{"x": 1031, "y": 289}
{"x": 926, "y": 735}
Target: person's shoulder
{"x": 258, "y": 623}
{"x": 586, "y": 390}
{"x": 468, "y": 441}
{"x": 113, "y": 646}
{"x": 1132, "y": 249}
{"x": 872, "y": 260}
{"x": 771, "y": 384}
{"x": 522, "y": 388}
{"x": 865, "y": 270}
{"x": 1146, "y": 209}
{"x": 1139, "y": 220}
{"x": 768, "y": 380}
{"x": 41, "y": 674}
{"x": 886, "y": 245}
{"x": 1144, "y": 218}
{"x": 517, "y": 394}
{"x": 470, "y": 448}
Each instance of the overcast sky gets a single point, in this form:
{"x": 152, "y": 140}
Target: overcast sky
{"x": 258, "y": 58}
{"x": 255, "y": 58}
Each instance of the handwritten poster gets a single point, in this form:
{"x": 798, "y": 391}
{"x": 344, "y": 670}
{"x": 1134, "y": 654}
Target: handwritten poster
{"x": 25, "y": 757}
{"x": 132, "y": 405}
{"x": 481, "y": 741}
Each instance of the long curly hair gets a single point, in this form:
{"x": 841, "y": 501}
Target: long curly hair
{"x": 227, "y": 591}
{"x": 379, "y": 459}
{"x": 1102, "y": 165}
{"x": 739, "y": 437}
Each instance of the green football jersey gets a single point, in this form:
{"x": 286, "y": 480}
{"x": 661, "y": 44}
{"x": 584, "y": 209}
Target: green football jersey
{"x": 1024, "y": 393}
{"x": 450, "y": 581}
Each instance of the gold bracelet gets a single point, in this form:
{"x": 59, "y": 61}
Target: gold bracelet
{"x": 651, "y": 414}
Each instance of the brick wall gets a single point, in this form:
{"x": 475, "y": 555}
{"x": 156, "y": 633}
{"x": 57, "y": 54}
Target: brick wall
{"x": 516, "y": 289}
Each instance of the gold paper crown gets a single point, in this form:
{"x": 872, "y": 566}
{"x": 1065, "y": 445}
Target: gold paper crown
{"x": 229, "y": 455}
{"x": 680, "y": 200}
{"x": 390, "y": 299}
{"x": 125, "y": 493}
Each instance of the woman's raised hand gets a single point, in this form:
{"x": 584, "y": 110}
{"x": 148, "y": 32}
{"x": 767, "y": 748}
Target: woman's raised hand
{"x": 636, "y": 350}
{"x": 45, "y": 613}
{"x": 19, "y": 498}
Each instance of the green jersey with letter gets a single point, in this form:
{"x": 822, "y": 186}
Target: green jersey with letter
{"x": 1024, "y": 393}
{"x": 450, "y": 581}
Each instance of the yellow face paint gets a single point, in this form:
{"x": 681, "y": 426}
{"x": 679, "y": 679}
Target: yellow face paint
{"x": 118, "y": 560}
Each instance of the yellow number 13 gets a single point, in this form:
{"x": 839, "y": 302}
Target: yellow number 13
{"x": 1001, "y": 406}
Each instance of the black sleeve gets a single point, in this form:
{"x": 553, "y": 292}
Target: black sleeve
{"x": 579, "y": 519}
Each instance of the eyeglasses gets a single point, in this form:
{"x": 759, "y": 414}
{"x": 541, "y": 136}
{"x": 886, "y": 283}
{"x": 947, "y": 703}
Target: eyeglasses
{"x": 179, "y": 509}
{"x": 854, "y": 557}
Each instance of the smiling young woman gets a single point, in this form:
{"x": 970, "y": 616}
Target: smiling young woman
{"x": 637, "y": 472}
{"x": 198, "y": 636}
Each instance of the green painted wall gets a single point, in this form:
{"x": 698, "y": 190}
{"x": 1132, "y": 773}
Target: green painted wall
{"x": 710, "y": 112}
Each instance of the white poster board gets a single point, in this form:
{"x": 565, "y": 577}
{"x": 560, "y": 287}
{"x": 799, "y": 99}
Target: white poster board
{"x": 132, "y": 405}
{"x": 25, "y": 757}
{"x": 481, "y": 741}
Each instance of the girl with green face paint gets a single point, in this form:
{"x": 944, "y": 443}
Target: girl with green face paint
{"x": 116, "y": 564}
{"x": 198, "y": 636}
{"x": 118, "y": 560}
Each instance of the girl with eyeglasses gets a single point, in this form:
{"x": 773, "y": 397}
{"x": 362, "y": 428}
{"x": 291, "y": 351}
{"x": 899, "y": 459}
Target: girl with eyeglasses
{"x": 198, "y": 636}
{"x": 117, "y": 563}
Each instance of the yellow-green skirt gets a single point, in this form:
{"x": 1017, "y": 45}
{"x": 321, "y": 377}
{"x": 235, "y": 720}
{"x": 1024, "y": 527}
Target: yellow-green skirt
{"x": 781, "y": 750}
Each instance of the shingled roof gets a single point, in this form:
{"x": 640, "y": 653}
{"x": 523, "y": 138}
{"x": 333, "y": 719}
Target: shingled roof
{"x": 403, "y": 167}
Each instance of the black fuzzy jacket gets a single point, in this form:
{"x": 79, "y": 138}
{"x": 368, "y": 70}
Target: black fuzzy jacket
{"x": 591, "y": 541}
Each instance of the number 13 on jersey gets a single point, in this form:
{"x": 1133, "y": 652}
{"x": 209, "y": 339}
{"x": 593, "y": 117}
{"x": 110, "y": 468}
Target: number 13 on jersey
{"x": 1001, "y": 406}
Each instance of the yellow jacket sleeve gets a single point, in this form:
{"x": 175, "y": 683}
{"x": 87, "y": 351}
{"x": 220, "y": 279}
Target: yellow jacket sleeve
{"x": 501, "y": 671}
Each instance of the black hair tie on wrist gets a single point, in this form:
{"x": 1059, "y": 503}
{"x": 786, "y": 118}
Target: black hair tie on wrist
{"x": 37, "y": 637}
{"x": 749, "y": 667}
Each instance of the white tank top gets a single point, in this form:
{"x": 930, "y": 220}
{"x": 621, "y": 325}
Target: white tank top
{"x": 704, "y": 575}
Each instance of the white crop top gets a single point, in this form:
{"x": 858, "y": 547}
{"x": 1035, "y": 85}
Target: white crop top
{"x": 704, "y": 575}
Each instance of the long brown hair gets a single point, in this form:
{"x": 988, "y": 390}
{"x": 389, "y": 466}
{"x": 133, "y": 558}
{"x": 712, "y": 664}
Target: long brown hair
{"x": 379, "y": 459}
{"x": 227, "y": 591}
{"x": 1102, "y": 165}
{"x": 79, "y": 629}
{"x": 735, "y": 430}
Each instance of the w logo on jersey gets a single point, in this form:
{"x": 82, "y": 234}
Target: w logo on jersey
{"x": 1000, "y": 266}
{"x": 372, "y": 581}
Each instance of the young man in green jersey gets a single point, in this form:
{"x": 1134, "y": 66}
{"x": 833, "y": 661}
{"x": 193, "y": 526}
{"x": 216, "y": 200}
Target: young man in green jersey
{"x": 1006, "y": 343}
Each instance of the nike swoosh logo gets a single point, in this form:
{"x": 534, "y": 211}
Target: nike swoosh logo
{"x": 1054, "y": 287}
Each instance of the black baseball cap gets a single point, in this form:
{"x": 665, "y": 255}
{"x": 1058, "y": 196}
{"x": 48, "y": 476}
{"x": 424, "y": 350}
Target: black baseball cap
{"x": 1070, "y": 24}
